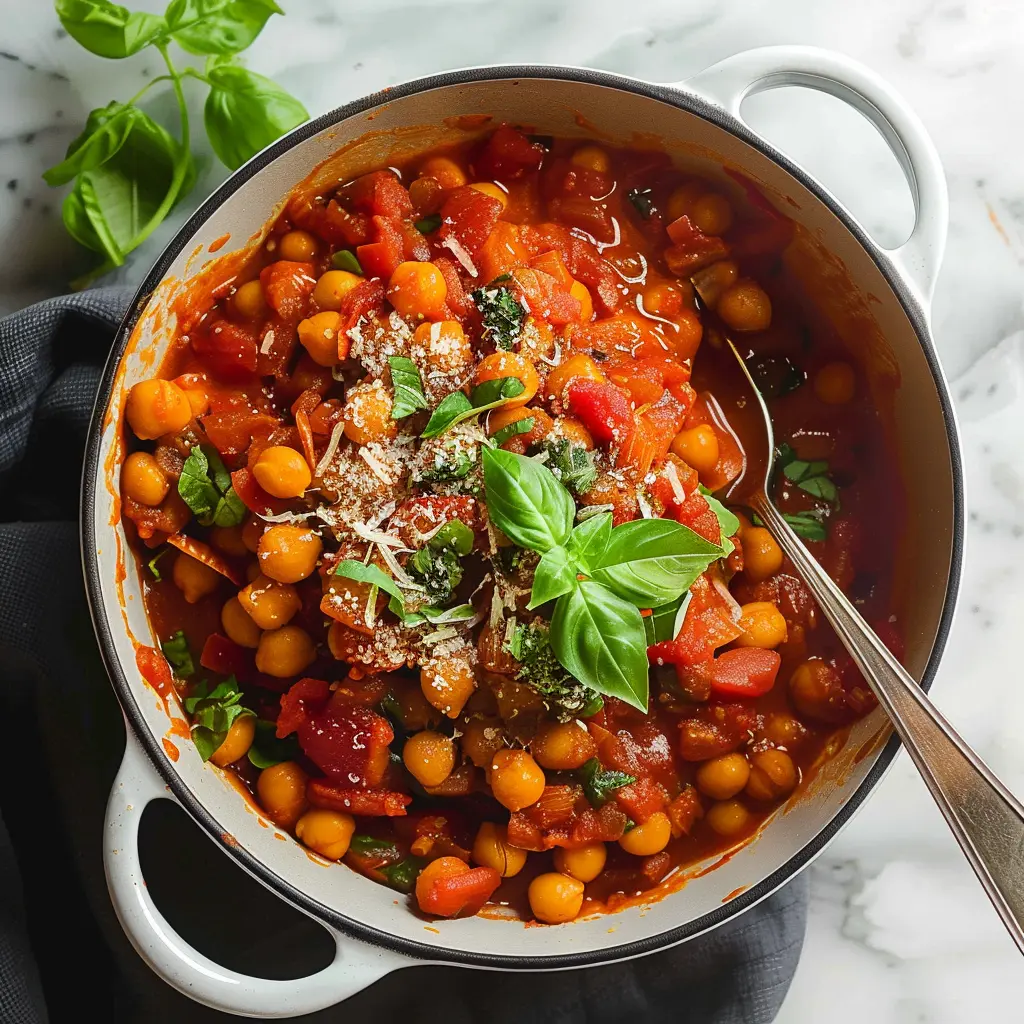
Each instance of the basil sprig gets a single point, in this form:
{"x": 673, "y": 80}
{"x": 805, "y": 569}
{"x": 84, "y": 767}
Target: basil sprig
{"x": 213, "y": 713}
{"x": 456, "y": 407}
{"x": 205, "y": 486}
{"x": 599, "y": 576}
{"x": 409, "y": 397}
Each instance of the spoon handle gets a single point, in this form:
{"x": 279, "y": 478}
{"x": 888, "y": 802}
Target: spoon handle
{"x": 986, "y": 818}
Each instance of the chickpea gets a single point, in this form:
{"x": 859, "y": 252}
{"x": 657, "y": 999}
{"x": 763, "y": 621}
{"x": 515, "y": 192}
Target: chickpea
{"x": 445, "y": 171}
{"x": 745, "y": 306}
{"x": 581, "y": 292}
{"x": 835, "y": 384}
{"x": 698, "y": 447}
{"x": 772, "y": 776}
{"x": 237, "y": 742}
{"x": 229, "y": 540}
{"x": 814, "y": 688}
{"x": 282, "y": 792}
{"x": 680, "y": 202}
{"x": 580, "y": 365}
{"x": 490, "y": 189}
{"x": 429, "y": 756}
{"x": 318, "y": 335}
{"x": 282, "y": 472}
{"x": 649, "y": 837}
{"x": 481, "y": 739}
{"x": 571, "y": 428}
{"x": 447, "y": 683}
{"x": 509, "y": 364}
{"x": 288, "y": 553}
{"x": 491, "y": 849}
{"x": 326, "y": 832}
{"x": 194, "y": 386}
{"x": 723, "y": 777}
{"x": 686, "y": 340}
{"x": 711, "y": 214}
{"x": 444, "y": 345}
{"x": 249, "y": 301}
{"x": 762, "y": 556}
{"x": 285, "y": 652}
{"x": 662, "y": 299}
{"x": 784, "y": 730}
{"x": 763, "y": 626}
{"x": 297, "y": 246}
{"x": 367, "y": 413}
{"x": 583, "y": 863}
{"x": 555, "y": 898}
{"x": 268, "y": 603}
{"x": 418, "y": 289}
{"x": 562, "y": 746}
{"x": 193, "y": 578}
{"x": 728, "y": 818}
{"x": 516, "y": 779}
{"x": 251, "y": 533}
{"x": 593, "y": 158}
{"x": 332, "y": 287}
{"x": 237, "y": 624}
{"x": 143, "y": 480}
{"x": 157, "y": 407}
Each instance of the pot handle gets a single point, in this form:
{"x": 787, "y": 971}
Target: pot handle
{"x": 355, "y": 965}
{"x": 730, "y": 81}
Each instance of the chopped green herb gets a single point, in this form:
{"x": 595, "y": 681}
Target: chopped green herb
{"x": 267, "y": 750}
{"x": 452, "y": 465}
{"x": 178, "y": 656}
{"x": 151, "y": 564}
{"x": 213, "y": 713}
{"x": 402, "y": 876}
{"x": 810, "y": 525}
{"x": 438, "y": 570}
{"x": 409, "y": 397}
{"x": 454, "y": 534}
{"x": 642, "y": 201}
{"x": 372, "y": 848}
{"x": 810, "y": 477}
{"x": 523, "y": 426}
{"x": 205, "y": 486}
{"x": 456, "y": 407}
{"x": 542, "y": 671}
{"x": 345, "y": 259}
{"x": 428, "y": 225}
{"x": 503, "y": 315}
{"x": 571, "y": 464}
{"x": 370, "y": 574}
{"x": 599, "y": 784}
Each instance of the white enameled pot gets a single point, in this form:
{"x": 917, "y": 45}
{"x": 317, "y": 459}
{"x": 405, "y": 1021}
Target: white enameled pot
{"x": 878, "y": 300}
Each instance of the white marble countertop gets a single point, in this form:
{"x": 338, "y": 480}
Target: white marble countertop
{"x": 899, "y": 929}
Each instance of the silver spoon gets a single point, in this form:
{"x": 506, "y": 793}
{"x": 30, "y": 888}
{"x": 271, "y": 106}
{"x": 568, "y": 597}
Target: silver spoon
{"x": 986, "y": 818}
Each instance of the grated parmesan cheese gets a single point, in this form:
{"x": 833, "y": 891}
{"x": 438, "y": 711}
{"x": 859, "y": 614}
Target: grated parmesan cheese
{"x": 672, "y": 475}
{"x": 461, "y": 254}
{"x": 332, "y": 448}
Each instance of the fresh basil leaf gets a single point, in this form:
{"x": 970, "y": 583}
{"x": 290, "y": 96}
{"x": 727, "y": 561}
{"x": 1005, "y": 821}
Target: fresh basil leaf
{"x": 456, "y": 407}
{"x": 454, "y": 534}
{"x": 571, "y": 463}
{"x": 811, "y": 477}
{"x": 205, "y": 486}
{"x": 642, "y": 201}
{"x": 819, "y": 487}
{"x": 650, "y": 562}
{"x": 213, "y": 713}
{"x": 409, "y": 396}
{"x": 178, "y": 656}
{"x": 113, "y": 202}
{"x": 106, "y": 131}
{"x": 589, "y": 540}
{"x": 371, "y": 846}
{"x": 267, "y": 750}
{"x": 523, "y": 426}
{"x": 152, "y": 566}
{"x": 370, "y": 574}
{"x": 496, "y": 392}
{"x": 502, "y": 314}
{"x": 809, "y": 525}
{"x": 218, "y": 26}
{"x": 346, "y": 259}
{"x": 439, "y": 616}
{"x": 107, "y": 29}
{"x": 727, "y": 522}
{"x": 525, "y": 501}
{"x": 246, "y": 112}
{"x": 554, "y": 576}
{"x": 402, "y": 876}
{"x": 600, "y": 639}
{"x": 665, "y": 622}
{"x": 428, "y": 225}
{"x": 230, "y": 510}
{"x": 599, "y": 784}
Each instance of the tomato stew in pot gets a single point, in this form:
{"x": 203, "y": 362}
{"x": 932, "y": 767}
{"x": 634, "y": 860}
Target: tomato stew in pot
{"x": 424, "y": 505}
